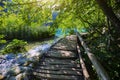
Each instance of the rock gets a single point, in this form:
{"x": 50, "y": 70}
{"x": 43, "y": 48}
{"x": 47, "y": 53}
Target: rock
{"x": 21, "y": 60}
{"x": 5, "y": 67}
{"x": 45, "y": 47}
{"x": 33, "y": 53}
{"x": 20, "y": 55}
{"x": 19, "y": 77}
{"x": 21, "y": 69}
{"x": 33, "y": 59}
{"x": 31, "y": 65}
{"x": 18, "y": 70}
{"x": 25, "y": 76}
{"x": 12, "y": 78}
{"x": 8, "y": 73}
{"x": 26, "y": 63}
{"x": 22, "y": 76}
{"x": 2, "y": 60}
{"x": 9, "y": 56}
{"x": 1, "y": 77}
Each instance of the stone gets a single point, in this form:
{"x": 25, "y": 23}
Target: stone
{"x": 27, "y": 63}
{"x": 9, "y": 56}
{"x": 2, "y": 60}
{"x": 33, "y": 53}
{"x": 1, "y": 77}
{"x": 19, "y": 77}
{"x": 45, "y": 47}
{"x": 12, "y": 78}
{"x": 8, "y": 73}
{"x": 18, "y": 70}
{"x": 31, "y": 65}
{"x": 21, "y": 60}
{"x": 22, "y": 76}
{"x": 33, "y": 59}
{"x": 25, "y": 76}
{"x": 21, "y": 69}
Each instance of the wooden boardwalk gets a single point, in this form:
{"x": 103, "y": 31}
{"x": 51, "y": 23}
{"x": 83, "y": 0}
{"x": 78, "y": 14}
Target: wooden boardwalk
{"x": 61, "y": 62}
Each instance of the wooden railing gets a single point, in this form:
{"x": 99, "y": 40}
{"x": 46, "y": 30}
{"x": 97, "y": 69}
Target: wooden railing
{"x": 102, "y": 74}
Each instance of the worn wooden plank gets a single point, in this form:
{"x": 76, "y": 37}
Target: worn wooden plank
{"x": 56, "y": 68}
{"x": 72, "y": 38}
{"x": 67, "y": 66}
{"x": 61, "y": 54}
{"x": 58, "y": 63}
{"x": 58, "y": 77}
{"x": 60, "y": 60}
{"x": 59, "y": 72}
{"x": 66, "y": 44}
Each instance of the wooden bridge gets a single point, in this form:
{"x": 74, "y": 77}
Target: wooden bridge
{"x": 64, "y": 62}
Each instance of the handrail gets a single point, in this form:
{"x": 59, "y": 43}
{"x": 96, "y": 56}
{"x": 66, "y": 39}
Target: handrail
{"x": 85, "y": 72}
{"x": 99, "y": 68}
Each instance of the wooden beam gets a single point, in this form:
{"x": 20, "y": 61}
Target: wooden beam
{"x": 99, "y": 68}
{"x": 85, "y": 72}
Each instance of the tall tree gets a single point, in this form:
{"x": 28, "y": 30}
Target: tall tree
{"x": 110, "y": 14}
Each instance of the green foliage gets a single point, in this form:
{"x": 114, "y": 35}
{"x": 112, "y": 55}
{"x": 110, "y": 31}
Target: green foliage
{"x": 101, "y": 38}
{"x": 2, "y": 41}
{"x": 24, "y": 20}
{"x": 15, "y": 47}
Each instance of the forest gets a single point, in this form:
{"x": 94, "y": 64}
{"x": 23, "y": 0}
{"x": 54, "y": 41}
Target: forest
{"x": 26, "y": 21}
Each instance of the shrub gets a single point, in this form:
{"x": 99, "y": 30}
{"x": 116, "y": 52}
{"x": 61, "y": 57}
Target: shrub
{"x": 15, "y": 46}
{"x": 2, "y": 41}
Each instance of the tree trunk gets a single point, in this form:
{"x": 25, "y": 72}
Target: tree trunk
{"x": 110, "y": 14}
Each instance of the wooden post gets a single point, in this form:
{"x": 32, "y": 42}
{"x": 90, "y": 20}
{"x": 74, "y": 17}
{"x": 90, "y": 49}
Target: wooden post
{"x": 100, "y": 70}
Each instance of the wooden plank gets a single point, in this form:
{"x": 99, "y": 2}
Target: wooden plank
{"x": 59, "y": 72}
{"x": 61, "y": 66}
{"x": 58, "y": 77}
{"x": 54, "y": 68}
{"x": 60, "y": 61}
{"x": 65, "y": 44}
{"x": 61, "y": 54}
{"x": 72, "y": 38}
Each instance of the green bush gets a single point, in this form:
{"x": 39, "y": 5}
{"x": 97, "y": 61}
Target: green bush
{"x": 15, "y": 47}
{"x": 2, "y": 41}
